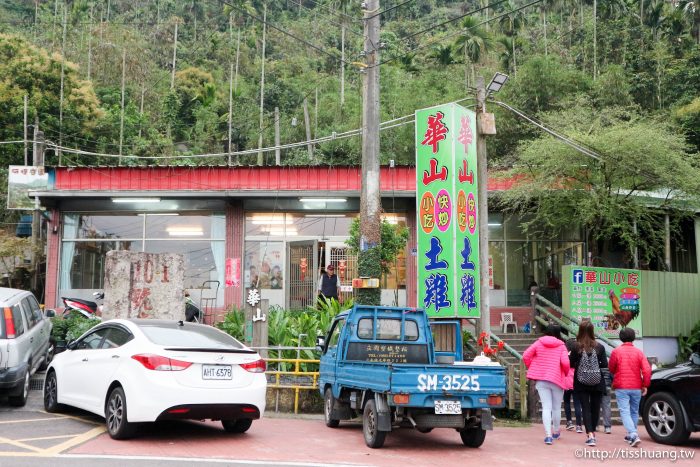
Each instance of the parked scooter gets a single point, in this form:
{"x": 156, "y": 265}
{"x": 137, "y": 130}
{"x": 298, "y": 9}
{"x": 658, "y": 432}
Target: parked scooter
{"x": 86, "y": 308}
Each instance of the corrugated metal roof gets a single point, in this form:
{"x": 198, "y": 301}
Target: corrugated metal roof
{"x": 243, "y": 178}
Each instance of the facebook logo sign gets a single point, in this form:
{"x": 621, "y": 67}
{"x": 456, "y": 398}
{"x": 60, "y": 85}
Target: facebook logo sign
{"x": 578, "y": 276}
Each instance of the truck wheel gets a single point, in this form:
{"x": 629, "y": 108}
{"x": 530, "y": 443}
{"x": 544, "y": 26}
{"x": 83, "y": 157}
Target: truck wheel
{"x": 473, "y": 437}
{"x": 370, "y": 426}
{"x": 328, "y": 403}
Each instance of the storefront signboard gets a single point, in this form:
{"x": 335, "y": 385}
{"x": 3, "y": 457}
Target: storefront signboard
{"x": 446, "y": 195}
{"x": 611, "y": 298}
{"x": 22, "y": 179}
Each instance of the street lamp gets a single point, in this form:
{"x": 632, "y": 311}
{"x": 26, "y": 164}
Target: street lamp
{"x": 497, "y": 82}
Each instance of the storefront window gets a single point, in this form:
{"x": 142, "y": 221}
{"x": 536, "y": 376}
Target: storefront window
{"x": 264, "y": 265}
{"x": 87, "y": 238}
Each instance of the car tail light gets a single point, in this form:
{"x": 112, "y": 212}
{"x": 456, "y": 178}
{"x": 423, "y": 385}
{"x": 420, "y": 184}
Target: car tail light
{"x": 495, "y": 399}
{"x": 179, "y": 411}
{"x": 401, "y": 398}
{"x": 257, "y": 366}
{"x": 9, "y": 324}
{"x": 159, "y": 363}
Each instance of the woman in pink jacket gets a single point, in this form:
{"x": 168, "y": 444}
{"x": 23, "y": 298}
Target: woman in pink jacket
{"x": 547, "y": 362}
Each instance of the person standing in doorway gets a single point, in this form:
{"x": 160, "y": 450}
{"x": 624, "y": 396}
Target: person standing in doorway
{"x": 547, "y": 363}
{"x": 330, "y": 286}
{"x": 631, "y": 378}
{"x": 587, "y": 360}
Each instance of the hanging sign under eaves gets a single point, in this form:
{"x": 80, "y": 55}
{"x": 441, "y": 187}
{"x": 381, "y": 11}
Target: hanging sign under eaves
{"x": 446, "y": 196}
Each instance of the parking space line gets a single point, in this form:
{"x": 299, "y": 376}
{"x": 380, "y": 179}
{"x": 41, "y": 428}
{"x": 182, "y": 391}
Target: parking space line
{"x": 20, "y": 444}
{"x": 53, "y": 450}
{"x": 45, "y": 438}
{"x": 5, "y": 422}
{"x": 80, "y": 419}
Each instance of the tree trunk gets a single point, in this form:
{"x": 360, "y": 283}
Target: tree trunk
{"x": 342, "y": 63}
{"x": 544, "y": 27}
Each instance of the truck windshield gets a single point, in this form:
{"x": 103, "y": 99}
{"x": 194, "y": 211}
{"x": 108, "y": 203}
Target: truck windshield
{"x": 387, "y": 329}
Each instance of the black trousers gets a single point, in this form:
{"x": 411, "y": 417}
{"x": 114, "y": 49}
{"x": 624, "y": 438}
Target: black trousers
{"x": 590, "y": 406}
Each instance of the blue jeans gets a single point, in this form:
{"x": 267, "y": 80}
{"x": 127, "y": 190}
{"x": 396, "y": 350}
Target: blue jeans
{"x": 569, "y": 394}
{"x": 628, "y": 403}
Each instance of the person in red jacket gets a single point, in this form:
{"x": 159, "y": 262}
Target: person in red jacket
{"x": 547, "y": 363}
{"x": 631, "y": 378}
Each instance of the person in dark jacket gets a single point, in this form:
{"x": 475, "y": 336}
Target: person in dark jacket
{"x": 570, "y": 396}
{"x": 330, "y": 285}
{"x": 590, "y": 395}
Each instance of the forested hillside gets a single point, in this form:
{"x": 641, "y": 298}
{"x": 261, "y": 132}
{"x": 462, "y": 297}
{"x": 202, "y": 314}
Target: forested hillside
{"x": 607, "y": 73}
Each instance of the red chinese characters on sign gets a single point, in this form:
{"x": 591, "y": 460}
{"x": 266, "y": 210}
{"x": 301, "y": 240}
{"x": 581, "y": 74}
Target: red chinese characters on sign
{"x": 436, "y": 132}
{"x": 465, "y": 175}
{"x": 429, "y": 178}
{"x": 591, "y": 277}
{"x": 604, "y": 278}
{"x": 233, "y": 272}
{"x": 619, "y": 278}
{"x": 465, "y": 133}
{"x": 427, "y": 212}
{"x": 141, "y": 302}
{"x": 633, "y": 279}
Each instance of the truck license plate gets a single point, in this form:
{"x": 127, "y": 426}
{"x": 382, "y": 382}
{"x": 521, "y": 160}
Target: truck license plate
{"x": 216, "y": 372}
{"x": 448, "y": 407}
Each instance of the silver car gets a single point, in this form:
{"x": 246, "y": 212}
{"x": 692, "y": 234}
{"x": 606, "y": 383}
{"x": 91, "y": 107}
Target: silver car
{"x": 24, "y": 342}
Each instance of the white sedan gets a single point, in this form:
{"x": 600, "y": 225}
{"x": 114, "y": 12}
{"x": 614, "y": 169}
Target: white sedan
{"x": 145, "y": 370}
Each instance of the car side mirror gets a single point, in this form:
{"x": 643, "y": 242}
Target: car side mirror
{"x": 50, "y": 313}
{"x": 695, "y": 358}
{"x": 71, "y": 345}
{"x": 320, "y": 343}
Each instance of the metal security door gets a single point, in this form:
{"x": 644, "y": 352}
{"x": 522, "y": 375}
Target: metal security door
{"x": 302, "y": 273}
{"x": 345, "y": 264}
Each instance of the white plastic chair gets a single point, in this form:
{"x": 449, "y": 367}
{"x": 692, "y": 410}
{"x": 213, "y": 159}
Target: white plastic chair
{"x": 507, "y": 320}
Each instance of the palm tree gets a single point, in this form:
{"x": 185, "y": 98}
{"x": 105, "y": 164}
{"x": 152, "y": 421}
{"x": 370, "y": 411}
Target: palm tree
{"x": 691, "y": 8}
{"x": 408, "y": 63}
{"x": 511, "y": 25}
{"x": 507, "y": 55}
{"x": 474, "y": 42}
{"x": 443, "y": 56}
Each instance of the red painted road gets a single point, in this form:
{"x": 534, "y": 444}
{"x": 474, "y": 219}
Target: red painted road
{"x": 309, "y": 441}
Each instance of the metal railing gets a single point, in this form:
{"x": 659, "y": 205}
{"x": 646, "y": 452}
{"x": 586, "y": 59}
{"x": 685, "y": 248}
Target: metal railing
{"x": 568, "y": 323}
{"x": 513, "y": 385}
{"x": 296, "y": 379}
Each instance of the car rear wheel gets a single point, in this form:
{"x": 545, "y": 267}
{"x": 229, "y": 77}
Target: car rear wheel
{"x": 118, "y": 426}
{"x": 237, "y": 426}
{"x": 663, "y": 419}
{"x": 328, "y": 403}
{"x": 51, "y": 404}
{"x": 370, "y": 426}
{"x": 20, "y": 400}
{"x": 48, "y": 356}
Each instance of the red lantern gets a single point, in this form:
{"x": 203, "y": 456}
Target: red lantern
{"x": 342, "y": 266}
{"x": 303, "y": 267}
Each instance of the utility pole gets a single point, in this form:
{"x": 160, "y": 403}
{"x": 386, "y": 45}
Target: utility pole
{"x": 26, "y": 148}
{"x": 482, "y": 208}
{"x": 262, "y": 85}
{"x": 307, "y": 124}
{"x": 278, "y": 156}
{"x": 370, "y": 198}
{"x": 38, "y": 161}
{"x": 63, "y": 74}
{"x": 230, "y": 109}
{"x": 121, "y": 113}
{"x": 172, "y": 73}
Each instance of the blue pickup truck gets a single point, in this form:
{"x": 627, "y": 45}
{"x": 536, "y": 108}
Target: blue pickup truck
{"x": 384, "y": 363}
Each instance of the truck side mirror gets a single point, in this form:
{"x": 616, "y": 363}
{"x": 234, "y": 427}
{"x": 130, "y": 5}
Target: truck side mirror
{"x": 50, "y": 313}
{"x": 320, "y": 343}
{"x": 695, "y": 358}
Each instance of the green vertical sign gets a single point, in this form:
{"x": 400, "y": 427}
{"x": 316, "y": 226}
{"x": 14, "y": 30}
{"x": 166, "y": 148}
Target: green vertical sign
{"x": 610, "y": 298}
{"x": 446, "y": 196}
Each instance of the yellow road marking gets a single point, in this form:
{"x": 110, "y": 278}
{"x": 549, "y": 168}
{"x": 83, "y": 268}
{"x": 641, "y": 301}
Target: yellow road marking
{"x": 32, "y": 420}
{"x": 75, "y": 441}
{"x": 46, "y": 437}
{"x": 80, "y": 419}
{"x": 20, "y": 444}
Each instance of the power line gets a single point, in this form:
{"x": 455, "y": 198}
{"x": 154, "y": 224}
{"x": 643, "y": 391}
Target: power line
{"x": 457, "y": 33}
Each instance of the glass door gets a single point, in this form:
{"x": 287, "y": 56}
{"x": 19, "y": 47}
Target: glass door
{"x": 302, "y": 273}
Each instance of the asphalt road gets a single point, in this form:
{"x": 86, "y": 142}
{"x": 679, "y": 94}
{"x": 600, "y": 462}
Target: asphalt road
{"x": 31, "y": 437}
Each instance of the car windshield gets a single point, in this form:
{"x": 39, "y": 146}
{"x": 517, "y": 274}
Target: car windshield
{"x": 190, "y": 337}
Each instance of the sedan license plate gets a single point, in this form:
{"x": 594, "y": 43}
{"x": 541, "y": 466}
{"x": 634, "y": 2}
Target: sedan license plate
{"x": 448, "y": 407}
{"x": 217, "y": 372}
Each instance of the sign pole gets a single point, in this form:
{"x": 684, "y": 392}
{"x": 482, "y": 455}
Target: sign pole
{"x": 483, "y": 209}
